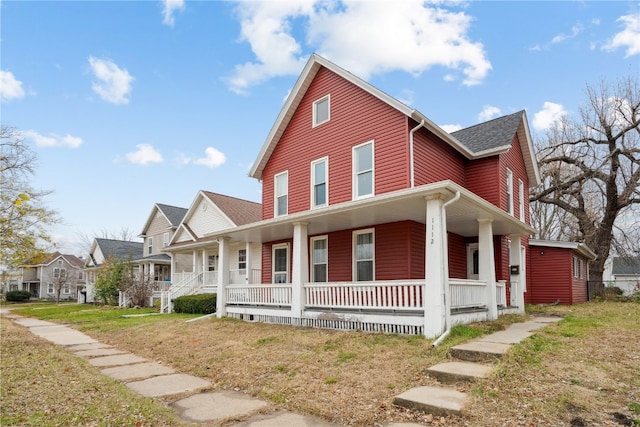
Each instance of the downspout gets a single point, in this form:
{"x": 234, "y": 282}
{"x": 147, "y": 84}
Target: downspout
{"x": 411, "y": 132}
{"x": 447, "y": 301}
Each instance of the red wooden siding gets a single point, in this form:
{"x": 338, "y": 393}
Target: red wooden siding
{"x": 434, "y": 160}
{"x": 356, "y": 117}
{"x": 457, "y": 256}
{"x": 481, "y": 178}
{"x": 549, "y": 275}
{"x": 513, "y": 160}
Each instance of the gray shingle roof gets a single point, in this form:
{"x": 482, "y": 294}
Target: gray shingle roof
{"x": 120, "y": 249}
{"x": 173, "y": 213}
{"x": 626, "y": 265}
{"x": 490, "y": 135}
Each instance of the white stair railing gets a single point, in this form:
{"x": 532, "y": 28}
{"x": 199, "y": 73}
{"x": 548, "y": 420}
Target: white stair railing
{"x": 189, "y": 286}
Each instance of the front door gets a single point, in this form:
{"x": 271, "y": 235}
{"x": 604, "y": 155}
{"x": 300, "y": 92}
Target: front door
{"x": 473, "y": 262}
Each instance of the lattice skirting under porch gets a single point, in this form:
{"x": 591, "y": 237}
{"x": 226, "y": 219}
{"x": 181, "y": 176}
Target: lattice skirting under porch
{"x": 342, "y": 325}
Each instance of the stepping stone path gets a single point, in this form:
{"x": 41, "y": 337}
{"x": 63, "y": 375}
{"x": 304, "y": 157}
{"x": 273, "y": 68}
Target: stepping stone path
{"x": 474, "y": 358}
{"x": 196, "y": 404}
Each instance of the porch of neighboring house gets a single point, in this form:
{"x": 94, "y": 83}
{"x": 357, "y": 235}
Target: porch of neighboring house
{"x": 428, "y": 304}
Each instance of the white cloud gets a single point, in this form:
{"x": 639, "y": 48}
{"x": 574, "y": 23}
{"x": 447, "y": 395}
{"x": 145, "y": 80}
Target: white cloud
{"x": 575, "y": 30}
{"x": 212, "y": 159}
{"x": 114, "y": 83}
{"x": 550, "y": 113}
{"x": 488, "y": 112}
{"x": 52, "y": 140}
{"x": 144, "y": 155}
{"x": 628, "y": 38}
{"x": 10, "y": 87}
{"x": 408, "y": 36}
{"x": 451, "y": 128}
{"x": 170, "y": 6}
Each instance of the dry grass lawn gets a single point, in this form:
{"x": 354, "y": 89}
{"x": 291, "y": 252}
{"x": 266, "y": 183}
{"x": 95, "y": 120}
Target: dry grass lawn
{"x": 583, "y": 371}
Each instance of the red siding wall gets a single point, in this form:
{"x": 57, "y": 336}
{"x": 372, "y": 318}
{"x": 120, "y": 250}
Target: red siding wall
{"x": 513, "y": 160}
{"x": 549, "y": 275}
{"x": 457, "y": 256}
{"x": 434, "y": 160}
{"x": 481, "y": 178}
{"x": 356, "y": 117}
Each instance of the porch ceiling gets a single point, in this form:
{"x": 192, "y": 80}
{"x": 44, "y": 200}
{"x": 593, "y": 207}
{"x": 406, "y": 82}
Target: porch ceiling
{"x": 462, "y": 215}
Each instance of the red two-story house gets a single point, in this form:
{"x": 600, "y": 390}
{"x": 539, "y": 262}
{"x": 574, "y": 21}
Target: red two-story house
{"x": 374, "y": 218}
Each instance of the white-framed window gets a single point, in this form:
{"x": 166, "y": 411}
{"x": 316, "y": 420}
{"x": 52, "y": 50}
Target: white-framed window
{"x": 281, "y": 194}
{"x": 242, "y": 259}
{"x": 321, "y": 110}
{"x": 280, "y": 263}
{"x": 521, "y": 198}
{"x": 66, "y": 289}
{"x": 363, "y": 178}
{"x": 150, "y": 244}
{"x": 319, "y": 259}
{"x": 212, "y": 263}
{"x": 577, "y": 267}
{"x": 165, "y": 240}
{"x": 320, "y": 182}
{"x": 363, "y": 255}
{"x": 50, "y": 288}
{"x": 80, "y": 275}
{"x": 59, "y": 273}
{"x": 509, "y": 192}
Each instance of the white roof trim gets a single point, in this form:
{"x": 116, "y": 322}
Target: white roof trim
{"x": 299, "y": 89}
{"x": 581, "y": 248}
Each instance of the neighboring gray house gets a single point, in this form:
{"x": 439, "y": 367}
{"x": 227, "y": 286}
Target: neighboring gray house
{"x": 157, "y": 232}
{"x": 101, "y": 251}
{"x": 54, "y": 271}
{"x": 623, "y": 272}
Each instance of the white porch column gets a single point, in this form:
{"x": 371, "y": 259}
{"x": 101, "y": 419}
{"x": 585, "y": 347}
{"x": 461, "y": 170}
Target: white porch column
{"x": 205, "y": 265}
{"x": 194, "y": 262}
{"x": 152, "y": 271}
{"x": 173, "y": 266}
{"x": 487, "y": 266}
{"x": 223, "y": 276}
{"x": 516, "y": 258}
{"x": 300, "y": 269}
{"x": 248, "y": 265}
{"x": 435, "y": 304}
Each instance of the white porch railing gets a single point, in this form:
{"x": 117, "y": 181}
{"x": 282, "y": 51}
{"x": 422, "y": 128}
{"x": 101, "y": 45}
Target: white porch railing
{"x": 383, "y": 295}
{"x": 467, "y": 293}
{"x": 265, "y": 295}
{"x": 501, "y": 293}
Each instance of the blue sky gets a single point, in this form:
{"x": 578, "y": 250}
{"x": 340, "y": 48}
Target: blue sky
{"x": 128, "y": 104}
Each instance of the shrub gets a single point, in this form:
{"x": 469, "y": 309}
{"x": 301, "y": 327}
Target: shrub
{"x": 196, "y": 304}
{"x": 18, "y": 296}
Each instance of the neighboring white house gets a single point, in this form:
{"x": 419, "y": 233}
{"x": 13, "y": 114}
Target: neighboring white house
{"x": 623, "y": 272}
{"x": 101, "y": 251}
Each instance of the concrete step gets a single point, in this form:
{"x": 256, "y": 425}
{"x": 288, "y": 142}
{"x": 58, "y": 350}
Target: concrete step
{"x": 479, "y": 351}
{"x": 454, "y": 372}
{"x": 438, "y": 401}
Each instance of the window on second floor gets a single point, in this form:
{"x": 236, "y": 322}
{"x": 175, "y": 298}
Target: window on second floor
{"x": 150, "y": 244}
{"x": 363, "y": 170}
{"x": 321, "y": 111}
{"x": 521, "y": 198}
{"x": 319, "y": 180}
{"x": 165, "y": 240}
{"x": 509, "y": 192}
{"x": 281, "y": 192}
{"x": 59, "y": 273}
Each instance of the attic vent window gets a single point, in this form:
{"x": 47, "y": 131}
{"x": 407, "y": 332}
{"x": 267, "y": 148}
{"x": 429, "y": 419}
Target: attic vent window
{"x": 321, "y": 111}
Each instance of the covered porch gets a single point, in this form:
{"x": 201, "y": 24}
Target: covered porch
{"x": 428, "y": 305}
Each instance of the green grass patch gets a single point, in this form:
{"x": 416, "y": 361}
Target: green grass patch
{"x": 267, "y": 340}
{"x": 331, "y": 380}
{"x": 345, "y": 357}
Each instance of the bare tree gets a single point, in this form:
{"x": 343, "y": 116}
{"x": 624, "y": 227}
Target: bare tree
{"x": 62, "y": 278}
{"x": 24, "y": 220}
{"x": 124, "y": 233}
{"x": 591, "y": 174}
